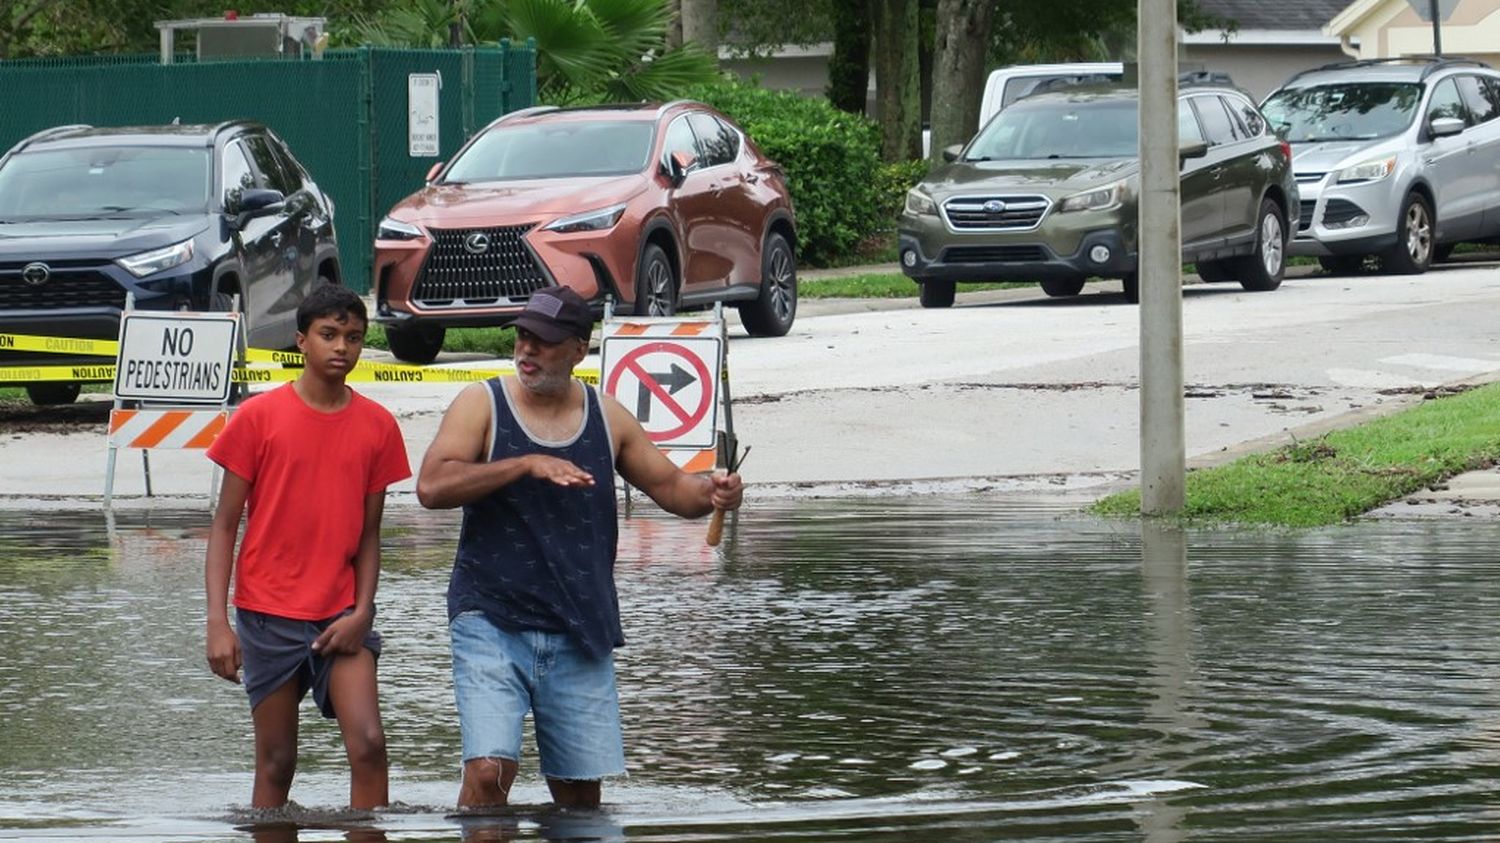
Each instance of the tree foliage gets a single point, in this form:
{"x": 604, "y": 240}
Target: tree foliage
{"x": 611, "y": 50}
{"x": 85, "y": 27}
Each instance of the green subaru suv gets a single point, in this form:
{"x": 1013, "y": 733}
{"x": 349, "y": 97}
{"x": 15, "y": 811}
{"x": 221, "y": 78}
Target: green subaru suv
{"x": 1047, "y": 192}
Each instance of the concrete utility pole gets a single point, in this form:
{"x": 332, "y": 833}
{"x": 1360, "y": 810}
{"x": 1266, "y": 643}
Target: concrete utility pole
{"x": 1163, "y": 454}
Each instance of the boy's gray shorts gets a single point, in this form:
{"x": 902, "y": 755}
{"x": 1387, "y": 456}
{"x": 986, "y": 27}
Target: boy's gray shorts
{"x": 275, "y": 650}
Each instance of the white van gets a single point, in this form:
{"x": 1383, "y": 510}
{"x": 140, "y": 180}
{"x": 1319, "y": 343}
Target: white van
{"x": 1008, "y": 84}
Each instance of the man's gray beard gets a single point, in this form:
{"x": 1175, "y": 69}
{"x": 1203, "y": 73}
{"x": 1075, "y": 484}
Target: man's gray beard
{"x": 549, "y": 386}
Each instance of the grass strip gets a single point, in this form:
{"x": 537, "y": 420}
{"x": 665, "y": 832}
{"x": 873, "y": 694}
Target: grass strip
{"x": 495, "y": 342}
{"x": 880, "y": 285}
{"x": 1347, "y": 472}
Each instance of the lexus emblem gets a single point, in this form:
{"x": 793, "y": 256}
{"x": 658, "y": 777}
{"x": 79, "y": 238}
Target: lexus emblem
{"x": 994, "y": 206}
{"x": 35, "y": 274}
{"x": 477, "y": 243}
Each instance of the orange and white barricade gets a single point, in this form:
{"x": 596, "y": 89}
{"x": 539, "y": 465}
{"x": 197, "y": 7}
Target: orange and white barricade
{"x": 148, "y": 429}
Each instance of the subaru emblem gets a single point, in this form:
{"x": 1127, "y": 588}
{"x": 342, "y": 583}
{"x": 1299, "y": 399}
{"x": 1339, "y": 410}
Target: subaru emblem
{"x": 35, "y": 274}
{"x": 994, "y": 206}
{"x": 477, "y": 243}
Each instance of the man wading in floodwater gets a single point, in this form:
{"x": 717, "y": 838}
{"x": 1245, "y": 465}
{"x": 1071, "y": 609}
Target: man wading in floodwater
{"x": 532, "y": 609}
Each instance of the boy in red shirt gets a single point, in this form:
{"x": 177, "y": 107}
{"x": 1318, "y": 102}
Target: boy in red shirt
{"x": 312, "y": 459}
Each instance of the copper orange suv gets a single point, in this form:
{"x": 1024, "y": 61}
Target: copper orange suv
{"x": 660, "y": 207}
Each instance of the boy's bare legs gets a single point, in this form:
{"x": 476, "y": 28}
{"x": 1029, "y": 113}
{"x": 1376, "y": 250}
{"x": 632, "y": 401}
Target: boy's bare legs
{"x": 574, "y": 794}
{"x": 486, "y": 782}
{"x": 351, "y": 685}
{"x": 275, "y": 719}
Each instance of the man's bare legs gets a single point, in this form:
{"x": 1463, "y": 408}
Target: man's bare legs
{"x": 486, "y": 782}
{"x": 351, "y": 686}
{"x": 275, "y": 719}
{"x": 574, "y": 794}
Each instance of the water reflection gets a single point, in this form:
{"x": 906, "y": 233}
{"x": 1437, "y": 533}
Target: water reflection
{"x": 944, "y": 668}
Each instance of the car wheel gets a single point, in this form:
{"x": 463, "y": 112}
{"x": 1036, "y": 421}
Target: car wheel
{"x": 936, "y": 293}
{"x": 1412, "y": 253}
{"x": 1342, "y": 264}
{"x": 1131, "y": 285}
{"x": 1060, "y": 287}
{"x": 771, "y": 314}
{"x": 53, "y": 394}
{"x": 419, "y": 343}
{"x": 1262, "y": 270}
{"x": 655, "y": 284}
{"x": 1212, "y": 272}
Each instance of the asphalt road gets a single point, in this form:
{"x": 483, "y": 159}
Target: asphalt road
{"x": 1004, "y": 390}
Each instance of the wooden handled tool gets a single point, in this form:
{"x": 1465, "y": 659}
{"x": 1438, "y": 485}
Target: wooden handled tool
{"x": 716, "y": 524}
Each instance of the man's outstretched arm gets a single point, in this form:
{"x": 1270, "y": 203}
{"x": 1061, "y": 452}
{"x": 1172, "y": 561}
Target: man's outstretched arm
{"x": 645, "y": 467}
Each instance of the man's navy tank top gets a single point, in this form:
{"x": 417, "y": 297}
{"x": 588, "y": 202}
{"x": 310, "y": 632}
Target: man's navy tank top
{"x": 535, "y": 555}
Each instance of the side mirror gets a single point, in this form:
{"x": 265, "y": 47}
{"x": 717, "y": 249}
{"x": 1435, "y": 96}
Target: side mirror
{"x": 432, "y": 173}
{"x": 678, "y": 164}
{"x": 1442, "y": 127}
{"x": 255, "y": 202}
{"x": 950, "y": 153}
{"x": 1196, "y": 149}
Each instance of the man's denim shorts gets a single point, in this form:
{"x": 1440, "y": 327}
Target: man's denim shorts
{"x": 274, "y": 650}
{"x": 499, "y": 675}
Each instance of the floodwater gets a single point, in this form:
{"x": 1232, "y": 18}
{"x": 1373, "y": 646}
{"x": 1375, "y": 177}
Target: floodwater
{"x": 939, "y": 668}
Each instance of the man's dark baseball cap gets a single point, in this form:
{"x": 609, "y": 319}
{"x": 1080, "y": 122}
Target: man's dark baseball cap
{"x": 555, "y": 313}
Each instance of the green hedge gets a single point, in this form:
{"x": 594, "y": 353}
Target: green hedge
{"x": 842, "y": 192}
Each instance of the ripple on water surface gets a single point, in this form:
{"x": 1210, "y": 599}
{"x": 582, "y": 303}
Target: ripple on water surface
{"x": 943, "y": 667}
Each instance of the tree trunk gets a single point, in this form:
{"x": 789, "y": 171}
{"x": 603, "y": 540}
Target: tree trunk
{"x": 674, "y": 24}
{"x": 963, "y": 37}
{"x": 849, "y": 67}
{"x": 898, "y": 92}
{"x": 700, "y": 24}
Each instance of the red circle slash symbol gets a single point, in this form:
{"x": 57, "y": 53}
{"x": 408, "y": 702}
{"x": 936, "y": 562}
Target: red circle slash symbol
{"x": 661, "y": 386}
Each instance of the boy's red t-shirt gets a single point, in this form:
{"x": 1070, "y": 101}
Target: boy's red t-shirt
{"x": 309, "y": 473}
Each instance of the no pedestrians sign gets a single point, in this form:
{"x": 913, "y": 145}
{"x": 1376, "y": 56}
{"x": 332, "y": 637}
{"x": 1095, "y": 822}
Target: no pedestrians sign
{"x": 176, "y": 357}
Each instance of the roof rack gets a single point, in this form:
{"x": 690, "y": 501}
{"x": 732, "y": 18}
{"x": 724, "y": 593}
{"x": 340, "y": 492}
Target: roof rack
{"x": 1433, "y": 63}
{"x": 1063, "y": 82}
{"x": 1193, "y": 78}
{"x": 47, "y": 133}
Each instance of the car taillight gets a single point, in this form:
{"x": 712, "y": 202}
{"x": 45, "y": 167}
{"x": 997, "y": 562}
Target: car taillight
{"x": 1286, "y": 150}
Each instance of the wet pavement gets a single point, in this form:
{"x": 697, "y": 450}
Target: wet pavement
{"x": 966, "y": 667}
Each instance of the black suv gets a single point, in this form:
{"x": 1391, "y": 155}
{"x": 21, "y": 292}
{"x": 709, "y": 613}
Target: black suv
{"x": 184, "y": 217}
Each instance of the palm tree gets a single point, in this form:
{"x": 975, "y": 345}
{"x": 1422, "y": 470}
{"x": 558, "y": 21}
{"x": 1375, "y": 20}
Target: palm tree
{"x": 587, "y": 50}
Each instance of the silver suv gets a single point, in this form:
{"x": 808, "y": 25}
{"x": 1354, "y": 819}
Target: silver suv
{"x": 1397, "y": 158}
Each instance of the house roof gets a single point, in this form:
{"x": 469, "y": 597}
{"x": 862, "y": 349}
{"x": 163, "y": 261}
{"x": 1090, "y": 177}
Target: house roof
{"x": 1297, "y": 15}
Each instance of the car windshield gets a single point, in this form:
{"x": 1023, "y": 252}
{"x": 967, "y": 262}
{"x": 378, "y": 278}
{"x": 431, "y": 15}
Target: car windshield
{"x": 556, "y": 150}
{"x": 1346, "y": 111}
{"x": 1059, "y": 128}
{"x": 93, "y": 182}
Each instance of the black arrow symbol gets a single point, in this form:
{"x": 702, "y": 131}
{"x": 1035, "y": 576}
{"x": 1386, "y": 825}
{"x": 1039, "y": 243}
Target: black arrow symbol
{"x": 674, "y": 381}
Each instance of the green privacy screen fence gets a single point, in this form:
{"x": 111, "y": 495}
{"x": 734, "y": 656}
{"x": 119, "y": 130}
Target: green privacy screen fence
{"x": 345, "y": 116}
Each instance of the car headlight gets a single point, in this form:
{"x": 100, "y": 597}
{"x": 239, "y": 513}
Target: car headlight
{"x": 157, "y": 260}
{"x": 391, "y": 229}
{"x": 920, "y": 204}
{"x": 1368, "y": 171}
{"x": 1105, "y": 198}
{"x": 600, "y": 220}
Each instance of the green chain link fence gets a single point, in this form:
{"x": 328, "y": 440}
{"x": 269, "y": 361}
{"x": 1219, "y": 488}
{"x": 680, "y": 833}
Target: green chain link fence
{"x": 344, "y": 116}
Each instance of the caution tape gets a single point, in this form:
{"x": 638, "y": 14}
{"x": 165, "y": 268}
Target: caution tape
{"x": 265, "y": 365}
{"x": 274, "y": 373}
{"x": 59, "y": 345}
